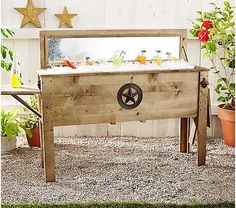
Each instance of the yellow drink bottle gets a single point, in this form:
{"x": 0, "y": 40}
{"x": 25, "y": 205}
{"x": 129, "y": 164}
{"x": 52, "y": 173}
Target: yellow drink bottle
{"x": 15, "y": 76}
{"x": 15, "y": 83}
{"x": 157, "y": 58}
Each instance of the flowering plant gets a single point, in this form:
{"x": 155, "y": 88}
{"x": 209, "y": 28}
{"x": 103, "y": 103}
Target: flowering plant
{"x": 216, "y": 32}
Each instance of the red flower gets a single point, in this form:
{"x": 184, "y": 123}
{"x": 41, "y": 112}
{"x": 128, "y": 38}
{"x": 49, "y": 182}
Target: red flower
{"x": 207, "y": 24}
{"x": 203, "y": 35}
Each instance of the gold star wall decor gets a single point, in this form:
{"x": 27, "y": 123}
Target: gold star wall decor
{"x": 65, "y": 18}
{"x": 30, "y": 14}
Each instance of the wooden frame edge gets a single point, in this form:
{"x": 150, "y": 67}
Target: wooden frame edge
{"x": 46, "y": 34}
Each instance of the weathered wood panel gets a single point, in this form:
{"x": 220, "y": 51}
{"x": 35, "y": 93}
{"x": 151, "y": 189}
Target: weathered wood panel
{"x": 48, "y": 129}
{"x": 202, "y": 121}
{"x": 165, "y": 95}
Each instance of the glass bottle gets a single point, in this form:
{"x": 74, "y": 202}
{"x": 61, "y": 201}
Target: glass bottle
{"x": 114, "y": 56}
{"x": 120, "y": 59}
{"x": 157, "y": 58}
{"x": 15, "y": 75}
{"x": 141, "y": 58}
{"x": 169, "y": 57}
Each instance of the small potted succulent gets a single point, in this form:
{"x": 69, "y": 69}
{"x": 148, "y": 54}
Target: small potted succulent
{"x": 216, "y": 32}
{"x": 31, "y": 121}
{"x": 10, "y": 128}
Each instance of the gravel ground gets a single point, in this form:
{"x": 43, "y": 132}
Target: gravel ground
{"x": 120, "y": 168}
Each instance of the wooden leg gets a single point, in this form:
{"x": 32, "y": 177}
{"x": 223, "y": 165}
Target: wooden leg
{"x": 41, "y": 130}
{"x": 41, "y": 143}
{"x": 193, "y": 130}
{"x": 49, "y": 155}
{"x": 209, "y": 109}
{"x": 48, "y": 135}
{"x": 184, "y": 123}
{"x": 202, "y": 121}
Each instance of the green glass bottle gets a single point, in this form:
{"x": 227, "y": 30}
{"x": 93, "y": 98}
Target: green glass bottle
{"x": 120, "y": 59}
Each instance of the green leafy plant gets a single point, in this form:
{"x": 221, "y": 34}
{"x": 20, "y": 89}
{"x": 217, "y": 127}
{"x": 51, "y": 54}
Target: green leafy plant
{"x": 10, "y": 126}
{"x": 6, "y": 53}
{"x": 216, "y": 31}
{"x": 29, "y": 119}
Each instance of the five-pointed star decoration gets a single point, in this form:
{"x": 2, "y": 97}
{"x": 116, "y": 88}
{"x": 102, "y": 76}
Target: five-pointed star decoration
{"x": 130, "y": 96}
{"x": 30, "y": 14}
{"x": 65, "y": 18}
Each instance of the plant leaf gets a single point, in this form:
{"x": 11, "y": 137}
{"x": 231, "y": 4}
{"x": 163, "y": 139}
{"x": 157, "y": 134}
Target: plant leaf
{"x": 211, "y": 46}
{"x": 232, "y": 86}
{"x": 227, "y": 4}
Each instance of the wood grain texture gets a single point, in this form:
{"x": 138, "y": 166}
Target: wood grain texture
{"x": 41, "y": 142}
{"x": 92, "y": 99}
{"x": 41, "y": 131}
{"x": 183, "y": 135}
{"x": 48, "y": 133}
{"x": 202, "y": 120}
{"x": 24, "y": 90}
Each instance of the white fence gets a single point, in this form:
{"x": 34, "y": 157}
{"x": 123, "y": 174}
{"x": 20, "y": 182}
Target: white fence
{"x": 104, "y": 14}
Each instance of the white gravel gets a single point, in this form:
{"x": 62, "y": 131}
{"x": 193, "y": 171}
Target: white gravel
{"x": 120, "y": 168}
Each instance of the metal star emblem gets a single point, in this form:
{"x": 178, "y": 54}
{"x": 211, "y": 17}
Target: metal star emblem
{"x": 30, "y": 14}
{"x": 65, "y": 18}
{"x": 130, "y": 96}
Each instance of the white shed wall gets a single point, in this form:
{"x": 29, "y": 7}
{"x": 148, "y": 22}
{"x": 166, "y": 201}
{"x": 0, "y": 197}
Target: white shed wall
{"x": 105, "y": 14}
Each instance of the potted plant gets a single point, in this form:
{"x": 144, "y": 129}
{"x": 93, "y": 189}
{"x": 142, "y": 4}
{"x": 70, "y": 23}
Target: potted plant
{"x": 31, "y": 121}
{"x": 6, "y": 53}
{"x": 10, "y": 128}
{"x": 216, "y": 31}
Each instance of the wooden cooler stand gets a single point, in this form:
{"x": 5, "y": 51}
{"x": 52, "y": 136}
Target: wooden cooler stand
{"x": 90, "y": 98}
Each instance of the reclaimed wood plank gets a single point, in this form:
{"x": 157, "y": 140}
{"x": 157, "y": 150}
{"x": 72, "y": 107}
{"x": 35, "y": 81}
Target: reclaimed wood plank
{"x": 48, "y": 133}
{"x": 202, "y": 121}
{"x": 24, "y": 90}
{"x": 62, "y": 120}
{"x": 100, "y": 99}
{"x": 184, "y": 135}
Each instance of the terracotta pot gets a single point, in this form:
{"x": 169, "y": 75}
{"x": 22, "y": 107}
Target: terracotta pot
{"x": 34, "y": 141}
{"x": 227, "y": 118}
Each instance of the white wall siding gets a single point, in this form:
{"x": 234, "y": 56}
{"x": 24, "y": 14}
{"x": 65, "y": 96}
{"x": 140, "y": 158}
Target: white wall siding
{"x": 104, "y": 14}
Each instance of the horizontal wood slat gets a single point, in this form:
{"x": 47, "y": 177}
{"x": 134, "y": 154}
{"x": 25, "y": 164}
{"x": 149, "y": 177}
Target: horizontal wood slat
{"x": 93, "y": 99}
{"x": 133, "y": 115}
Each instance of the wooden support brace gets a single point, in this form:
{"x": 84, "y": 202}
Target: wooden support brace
{"x": 48, "y": 135}
{"x": 209, "y": 109}
{"x": 26, "y": 105}
{"x": 193, "y": 131}
{"x": 202, "y": 120}
{"x": 184, "y": 133}
{"x": 41, "y": 142}
{"x": 40, "y": 123}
